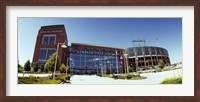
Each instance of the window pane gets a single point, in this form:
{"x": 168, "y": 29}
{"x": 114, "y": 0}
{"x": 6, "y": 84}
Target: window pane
{"x": 45, "y": 40}
{"x": 42, "y": 54}
{"x": 52, "y": 40}
{"x": 50, "y": 52}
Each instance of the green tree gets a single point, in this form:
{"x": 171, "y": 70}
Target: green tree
{"x": 36, "y": 68}
{"x": 27, "y": 66}
{"x": 130, "y": 69}
{"x": 42, "y": 67}
{"x": 63, "y": 68}
{"x": 161, "y": 64}
{"x": 50, "y": 64}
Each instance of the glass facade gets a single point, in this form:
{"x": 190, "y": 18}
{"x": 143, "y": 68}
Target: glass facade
{"x": 153, "y": 51}
{"x": 139, "y": 51}
{"x": 93, "y": 59}
{"x": 147, "y": 50}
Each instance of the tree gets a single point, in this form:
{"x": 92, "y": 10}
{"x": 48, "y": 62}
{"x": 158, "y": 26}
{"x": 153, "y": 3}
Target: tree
{"x": 50, "y": 64}
{"x": 63, "y": 68}
{"x": 42, "y": 69}
{"x": 36, "y": 67}
{"x": 161, "y": 64}
{"x": 20, "y": 68}
{"x": 27, "y": 66}
{"x": 130, "y": 69}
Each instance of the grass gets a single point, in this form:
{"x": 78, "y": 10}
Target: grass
{"x": 172, "y": 80}
{"x": 43, "y": 80}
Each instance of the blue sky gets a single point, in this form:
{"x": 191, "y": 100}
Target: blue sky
{"x": 114, "y": 32}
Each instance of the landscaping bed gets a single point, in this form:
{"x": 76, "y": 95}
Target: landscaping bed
{"x": 43, "y": 80}
{"x": 124, "y": 76}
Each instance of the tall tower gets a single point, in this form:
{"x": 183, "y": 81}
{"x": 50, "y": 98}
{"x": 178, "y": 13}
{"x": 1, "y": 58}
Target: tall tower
{"x": 46, "y": 44}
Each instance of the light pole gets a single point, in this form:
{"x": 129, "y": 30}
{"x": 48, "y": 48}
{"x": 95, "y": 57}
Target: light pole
{"x": 63, "y": 46}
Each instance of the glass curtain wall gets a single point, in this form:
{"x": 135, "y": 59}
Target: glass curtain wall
{"x": 94, "y": 61}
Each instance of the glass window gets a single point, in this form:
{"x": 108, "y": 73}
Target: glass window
{"x": 50, "y": 52}
{"x": 42, "y": 55}
{"x": 52, "y": 40}
{"x": 146, "y": 50}
{"x": 139, "y": 51}
{"x": 46, "y": 40}
{"x": 158, "y": 51}
{"x": 153, "y": 52}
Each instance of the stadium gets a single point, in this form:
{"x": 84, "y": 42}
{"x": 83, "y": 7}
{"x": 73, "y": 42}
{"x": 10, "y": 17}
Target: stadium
{"x": 95, "y": 59}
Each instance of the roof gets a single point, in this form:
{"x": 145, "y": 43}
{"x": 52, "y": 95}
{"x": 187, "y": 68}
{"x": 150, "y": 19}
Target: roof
{"x": 145, "y": 46}
{"x": 53, "y": 26}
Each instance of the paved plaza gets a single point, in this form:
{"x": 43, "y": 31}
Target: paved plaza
{"x": 152, "y": 78}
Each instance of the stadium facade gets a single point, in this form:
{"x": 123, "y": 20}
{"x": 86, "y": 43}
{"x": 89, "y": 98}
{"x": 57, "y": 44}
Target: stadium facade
{"x": 94, "y": 59}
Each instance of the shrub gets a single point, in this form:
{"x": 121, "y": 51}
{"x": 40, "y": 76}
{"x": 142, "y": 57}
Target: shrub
{"x": 121, "y": 77}
{"x": 20, "y": 70}
{"x": 63, "y": 68}
{"x": 130, "y": 69}
{"x": 110, "y": 76}
{"x": 172, "y": 80}
{"x": 129, "y": 76}
{"x": 161, "y": 64}
{"x": 99, "y": 75}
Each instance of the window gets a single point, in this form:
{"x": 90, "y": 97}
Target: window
{"x": 50, "y": 52}
{"x": 45, "y": 40}
{"x": 146, "y": 50}
{"x": 48, "y": 39}
{"x": 139, "y": 50}
{"x": 52, "y": 40}
{"x": 45, "y": 54}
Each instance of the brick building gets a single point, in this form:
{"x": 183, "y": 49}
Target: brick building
{"x": 46, "y": 44}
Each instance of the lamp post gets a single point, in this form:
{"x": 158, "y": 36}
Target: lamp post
{"x": 63, "y": 46}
